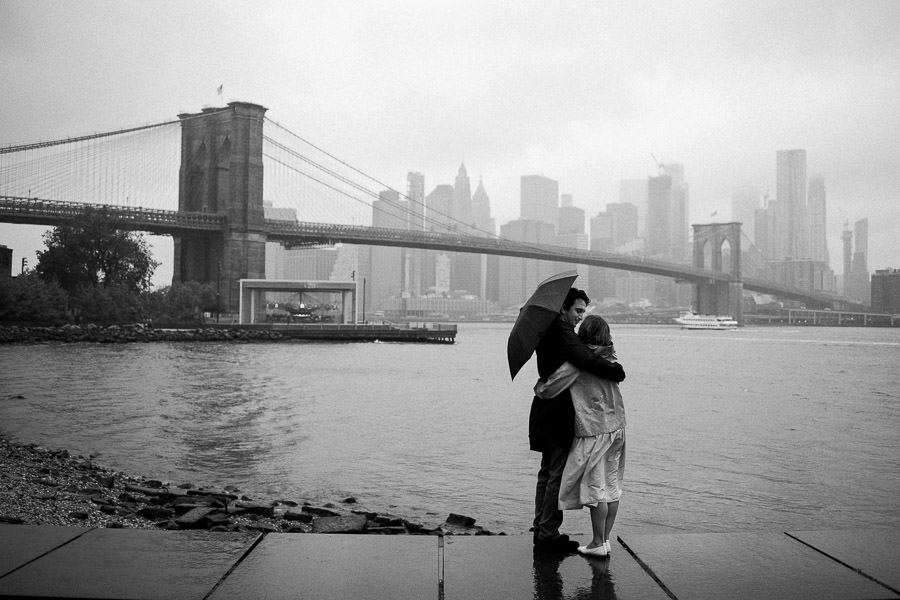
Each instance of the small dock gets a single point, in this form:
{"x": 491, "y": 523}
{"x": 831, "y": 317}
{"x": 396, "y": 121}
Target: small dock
{"x": 139, "y": 564}
{"x": 430, "y": 333}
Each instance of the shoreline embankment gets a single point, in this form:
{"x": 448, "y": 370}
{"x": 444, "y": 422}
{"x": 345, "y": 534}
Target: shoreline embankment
{"x": 42, "y": 486}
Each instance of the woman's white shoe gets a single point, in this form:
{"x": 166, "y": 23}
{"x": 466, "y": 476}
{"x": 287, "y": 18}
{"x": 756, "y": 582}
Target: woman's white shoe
{"x": 600, "y": 551}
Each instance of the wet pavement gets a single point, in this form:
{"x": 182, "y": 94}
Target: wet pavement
{"x": 60, "y": 562}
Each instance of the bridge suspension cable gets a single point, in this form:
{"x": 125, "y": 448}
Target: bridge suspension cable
{"x": 437, "y": 220}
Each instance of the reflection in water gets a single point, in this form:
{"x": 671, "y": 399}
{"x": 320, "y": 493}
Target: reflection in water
{"x": 550, "y": 585}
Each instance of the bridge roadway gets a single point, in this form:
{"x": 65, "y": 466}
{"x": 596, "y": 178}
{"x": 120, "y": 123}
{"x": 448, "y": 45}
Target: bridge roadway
{"x": 34, "y": 211}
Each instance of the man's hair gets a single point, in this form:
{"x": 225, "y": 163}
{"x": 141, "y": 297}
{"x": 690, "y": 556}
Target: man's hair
{"x": 573, "y": 295}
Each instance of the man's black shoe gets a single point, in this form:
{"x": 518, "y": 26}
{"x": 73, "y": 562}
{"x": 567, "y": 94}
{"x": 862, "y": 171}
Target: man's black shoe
{"x": 560, "y": 544}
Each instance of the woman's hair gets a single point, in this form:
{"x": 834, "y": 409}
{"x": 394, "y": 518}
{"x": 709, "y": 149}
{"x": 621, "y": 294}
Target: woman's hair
{"x": 595, "y": 330}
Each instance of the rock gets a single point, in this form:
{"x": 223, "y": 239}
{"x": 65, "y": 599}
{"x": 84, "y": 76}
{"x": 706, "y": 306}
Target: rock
{"x": 263, "y": 527}
{"x": 194, "y": 519}
{"x": 460, "y": 520}
{"x": 386, "y": 530}
{"x": 78, "y": 514}
{"x": 10, "y": 520}
{"x": 153, "y": 483}
{"x": 298, "y": 516}
{"x": 350, "y": 500}
{"x": 341, "y": 524}
{"x": 156, "y": 513}
{"x": 320, "y": 512}
{"x": 254, "y": 508}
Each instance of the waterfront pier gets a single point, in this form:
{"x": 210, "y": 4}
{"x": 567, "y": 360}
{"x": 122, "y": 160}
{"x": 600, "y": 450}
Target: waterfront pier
{"x": 101, "y": 563}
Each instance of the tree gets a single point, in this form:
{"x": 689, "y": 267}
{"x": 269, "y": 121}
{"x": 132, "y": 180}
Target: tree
{"x": 90, "y": 252}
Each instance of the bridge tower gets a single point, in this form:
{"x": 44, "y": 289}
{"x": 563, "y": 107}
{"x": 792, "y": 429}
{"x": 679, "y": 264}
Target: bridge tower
{"x": 222, "y": 172}
{"x": 714, "y": 242}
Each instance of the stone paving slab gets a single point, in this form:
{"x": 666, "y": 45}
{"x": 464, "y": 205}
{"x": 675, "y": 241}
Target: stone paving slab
{"x": 748, "y": 565}
{"x": 509, "y": 567}
{"x": 128, "y": 564}
{"x": 873, "y": 552}
{"x": 20, "y": 544}
{"x": 311, "y": 566}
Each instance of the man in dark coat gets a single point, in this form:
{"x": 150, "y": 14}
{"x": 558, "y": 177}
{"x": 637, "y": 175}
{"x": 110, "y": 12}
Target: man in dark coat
{"x": 551, "y": 424}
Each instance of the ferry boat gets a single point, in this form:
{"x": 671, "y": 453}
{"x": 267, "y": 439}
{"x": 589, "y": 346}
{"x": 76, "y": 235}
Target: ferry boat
{"x": 689, "y": 320}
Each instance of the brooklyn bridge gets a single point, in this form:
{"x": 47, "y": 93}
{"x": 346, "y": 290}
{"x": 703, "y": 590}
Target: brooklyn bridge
{"x": 209, "y": 197}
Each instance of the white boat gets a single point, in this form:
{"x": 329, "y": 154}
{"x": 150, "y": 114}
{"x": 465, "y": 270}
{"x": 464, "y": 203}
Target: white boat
{"x": 689, "y": 320}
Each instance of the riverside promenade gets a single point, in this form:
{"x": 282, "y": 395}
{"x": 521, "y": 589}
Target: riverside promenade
{"x": 67, "y": 562}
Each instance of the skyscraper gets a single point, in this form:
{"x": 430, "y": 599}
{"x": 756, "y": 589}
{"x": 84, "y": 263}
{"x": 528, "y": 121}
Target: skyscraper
{"x": 539, "y": 198}
{"x": 481, "y": 211}
{"x": 438, "y": 205}
{"x": 413, "y": 258}
{"x": 860, "y": 287}
{"x": 462, "y": 200}
{"x": 571, "y": 218}
{"x": 385, "y": 274}
{"x": 634, "y": 191}
{"x": 465, "y": 267}
{"x": 570, "y": 234}
{"x": 886, "y": 291}
{"x": 520, "y": 276}
{"x": 816, "y": 222}
{"x": 790, "y": 235}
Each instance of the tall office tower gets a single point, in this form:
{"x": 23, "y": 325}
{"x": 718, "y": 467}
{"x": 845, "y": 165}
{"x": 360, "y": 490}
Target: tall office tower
{"x": 415, "y": 192}
{"x": 438, "y": 205}
{"x": 520, "y": 276}
{"x": 634, "y": 191}
{"x": 481, "y": 211}
{"x": 817, "y": 226}
{"x": 886, "y": 291}
{"x": 790, "y": 234}
{"x": 413, "y": 258}
{"x": 484, "y": 226}
{"x": 602, "y": 281}
{"x": 570, "y": 234}
{"x": 571, "y": 218}
{"x": 667, "y": 214}
{"x": 462, "y": 200}
{"x": 745, "y": 201}
{"x": 860, "y": 287}
{"x": 465, "y": 267}
{"x": 624, "y": 224}
{"x": 539, "y": 198}
{"x": 385, "y": 274}
{"x": 847, "y": 240}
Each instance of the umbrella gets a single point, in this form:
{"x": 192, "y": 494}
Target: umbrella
{"x": 535, "y": 317}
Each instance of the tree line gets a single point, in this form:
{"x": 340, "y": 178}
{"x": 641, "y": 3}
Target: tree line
{"x": 91, "y": 272}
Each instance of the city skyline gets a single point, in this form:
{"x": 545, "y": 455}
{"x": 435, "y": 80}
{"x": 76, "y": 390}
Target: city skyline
{"x": 589, "y": 95}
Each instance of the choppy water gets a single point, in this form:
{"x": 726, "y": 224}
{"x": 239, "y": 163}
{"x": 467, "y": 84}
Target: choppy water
{"x": 756, "y": 429}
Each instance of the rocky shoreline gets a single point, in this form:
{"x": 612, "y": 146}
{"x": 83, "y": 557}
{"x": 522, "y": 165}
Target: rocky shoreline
{"x": 40, "y": 486}
{"x": 132, "y": 332}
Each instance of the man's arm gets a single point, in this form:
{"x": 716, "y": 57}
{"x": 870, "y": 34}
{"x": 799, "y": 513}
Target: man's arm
{"x": 576, "y": 352}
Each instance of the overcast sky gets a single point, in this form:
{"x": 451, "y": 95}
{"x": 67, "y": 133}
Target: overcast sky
{"x": 581, "y": 91}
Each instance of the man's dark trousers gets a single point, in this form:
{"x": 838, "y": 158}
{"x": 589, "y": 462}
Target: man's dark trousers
{"x": 547, "y": 515}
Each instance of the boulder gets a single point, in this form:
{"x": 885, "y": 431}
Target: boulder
{"x": 340, "y": 524}
{"x": 459, "y": 520}
{"x": 194, "y": 518}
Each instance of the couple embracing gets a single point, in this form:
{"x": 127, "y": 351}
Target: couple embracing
{"x": 577, "y": 423}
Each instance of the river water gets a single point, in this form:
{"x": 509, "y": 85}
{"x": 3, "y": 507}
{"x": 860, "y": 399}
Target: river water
{"x": 756, "y": 429}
